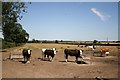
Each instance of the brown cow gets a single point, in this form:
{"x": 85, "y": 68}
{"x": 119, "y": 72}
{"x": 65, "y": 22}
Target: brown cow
{"x": 104, "y": 51}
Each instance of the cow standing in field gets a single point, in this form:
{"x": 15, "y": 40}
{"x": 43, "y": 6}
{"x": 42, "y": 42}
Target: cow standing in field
{"x": 48, "y": 53}
{"x": 26, "y": 55}
{"x": 76, "y": 53}
{"x": 43, "y": 50}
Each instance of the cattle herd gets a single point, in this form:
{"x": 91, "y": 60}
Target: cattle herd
{"x": 49, "y": 53}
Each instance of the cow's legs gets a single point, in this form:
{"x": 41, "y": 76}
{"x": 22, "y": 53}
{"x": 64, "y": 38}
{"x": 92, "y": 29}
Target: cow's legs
{"x": 51, "y": 58}
{"x": 25, "y": 58}
{"x": 28, "y": 58}
{"x": 76, "y": 59}
{"x": 48, "y": 57}
{"x": 66, "y": 57}
{"x": 44, "y": 56}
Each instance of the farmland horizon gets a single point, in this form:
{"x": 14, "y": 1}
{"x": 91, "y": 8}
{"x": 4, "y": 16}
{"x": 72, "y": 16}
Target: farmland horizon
{"x": 69, "y": 40}
{"x": 63, "y": 40}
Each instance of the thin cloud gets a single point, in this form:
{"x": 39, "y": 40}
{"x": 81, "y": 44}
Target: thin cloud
{"x": 100, "y": 15}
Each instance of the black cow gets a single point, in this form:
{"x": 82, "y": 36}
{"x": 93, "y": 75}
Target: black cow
{"x": 26, "y": 55}
{"x": 76, "y": 53}
{"x": 49, "y": 54}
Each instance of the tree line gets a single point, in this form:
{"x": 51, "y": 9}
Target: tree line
{"x": 12, "y": 30}
{"x": 87, "y": 43}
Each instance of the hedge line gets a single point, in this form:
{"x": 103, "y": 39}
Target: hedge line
{"x": 6, "y": 44}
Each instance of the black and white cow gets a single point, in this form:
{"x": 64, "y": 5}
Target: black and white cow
{"x": 49, "y": 53}
{"x": 70, "y": 52}
{"x": 92, "y": 47}
{"x": 43, "y": 50}
{"x": 26, "y": 55}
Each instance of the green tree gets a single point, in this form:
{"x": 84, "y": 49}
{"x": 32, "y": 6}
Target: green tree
{"x": 33, "y": 40}
{"x": 95, "y": 41}
{"x": 12, "y": 30}
{"x": 61, "y": 41}
{"x": 56, "y": 41}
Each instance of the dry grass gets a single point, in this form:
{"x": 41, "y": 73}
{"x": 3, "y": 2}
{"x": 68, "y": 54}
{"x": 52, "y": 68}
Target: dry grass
{"x": 114, "y": 50}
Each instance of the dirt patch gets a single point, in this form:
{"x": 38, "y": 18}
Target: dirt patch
{"x": 58, "y": 68}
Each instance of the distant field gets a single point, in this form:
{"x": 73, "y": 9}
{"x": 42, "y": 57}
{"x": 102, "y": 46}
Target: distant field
{"x": 39, "y": 46}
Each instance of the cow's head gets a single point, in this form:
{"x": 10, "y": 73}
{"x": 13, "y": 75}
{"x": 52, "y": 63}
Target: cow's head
{"x": 54, "y": 49}
{"x": 81, "y": 51}
{"x": 43, "y": 50}
{"x": 29, "y": 51}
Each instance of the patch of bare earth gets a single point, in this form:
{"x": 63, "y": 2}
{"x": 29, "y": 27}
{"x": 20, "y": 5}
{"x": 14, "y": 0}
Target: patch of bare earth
{"x": 106, "y": 67}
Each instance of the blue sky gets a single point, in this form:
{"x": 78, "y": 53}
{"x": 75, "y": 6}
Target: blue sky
{"x": 76, "y": 21}
{"x": 79, "y": 21}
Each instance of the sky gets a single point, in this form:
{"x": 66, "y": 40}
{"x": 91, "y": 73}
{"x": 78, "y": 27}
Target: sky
{"x": 75, "y": 21}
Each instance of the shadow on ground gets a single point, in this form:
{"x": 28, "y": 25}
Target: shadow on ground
{"x": 78, "y": 62}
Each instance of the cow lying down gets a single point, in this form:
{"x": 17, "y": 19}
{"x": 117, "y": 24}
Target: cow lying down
{"x": 105, "y": 51}
{"x": 48, "y": 53}
{"x": 102, "y": 52}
